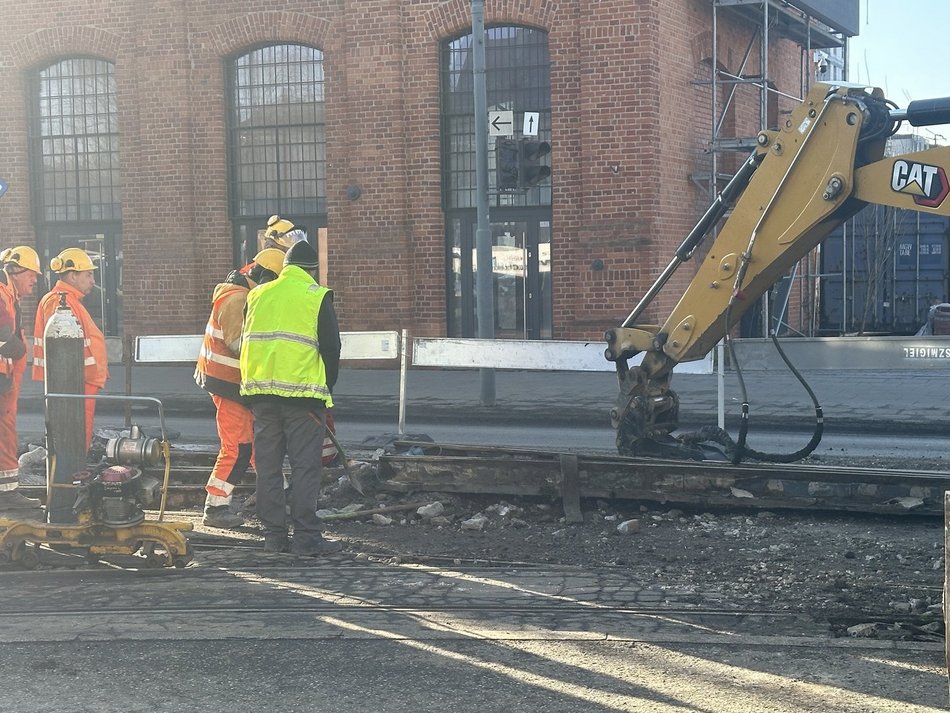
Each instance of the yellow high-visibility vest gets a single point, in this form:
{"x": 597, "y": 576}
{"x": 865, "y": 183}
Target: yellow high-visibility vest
{"x": 280, "y": 350}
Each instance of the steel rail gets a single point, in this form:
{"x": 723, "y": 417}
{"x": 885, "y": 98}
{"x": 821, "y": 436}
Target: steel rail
{"x": 515, "y": 471}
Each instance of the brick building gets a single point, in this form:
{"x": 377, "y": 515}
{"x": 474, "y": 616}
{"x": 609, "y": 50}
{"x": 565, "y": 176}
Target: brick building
{"x": 161, "y": 135}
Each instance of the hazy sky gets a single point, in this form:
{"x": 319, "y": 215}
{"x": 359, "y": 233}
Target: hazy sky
{"x": 904, "y": 48}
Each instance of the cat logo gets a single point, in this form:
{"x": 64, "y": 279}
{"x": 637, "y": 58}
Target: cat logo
{"x": 925, "y": 183}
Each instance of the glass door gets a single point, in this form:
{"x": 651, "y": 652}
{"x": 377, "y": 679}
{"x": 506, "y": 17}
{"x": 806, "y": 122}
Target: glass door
{"x": 521, "y": 272}
{"x": 509, "y": 278}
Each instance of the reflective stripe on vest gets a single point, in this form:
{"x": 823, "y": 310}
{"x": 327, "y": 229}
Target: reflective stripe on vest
{"x": 280, "y": 351}
{"x": 215, "y": 359}
{"x": 11, "y": 306}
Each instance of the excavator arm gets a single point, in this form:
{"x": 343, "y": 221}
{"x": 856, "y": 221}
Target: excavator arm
{"x": 803, "y": 180}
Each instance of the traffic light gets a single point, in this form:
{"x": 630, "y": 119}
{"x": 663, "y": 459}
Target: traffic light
{"x": 507, "y": 160}
{"x": 530, "y": 169}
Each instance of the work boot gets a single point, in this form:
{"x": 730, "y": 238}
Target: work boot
{"x": 276, "y": 544}
{"x": 221, "y": 516}
{"x": 316, "y": 548}
{"x": 12, "y": 501}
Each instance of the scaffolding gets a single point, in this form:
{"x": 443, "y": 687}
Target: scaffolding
{"x": 822, "y": 38}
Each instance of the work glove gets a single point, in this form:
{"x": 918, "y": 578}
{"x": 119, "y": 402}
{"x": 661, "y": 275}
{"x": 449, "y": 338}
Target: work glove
{"x": 11, "y": 346}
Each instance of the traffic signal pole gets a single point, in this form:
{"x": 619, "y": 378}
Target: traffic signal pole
{"x": 484, "y": 299}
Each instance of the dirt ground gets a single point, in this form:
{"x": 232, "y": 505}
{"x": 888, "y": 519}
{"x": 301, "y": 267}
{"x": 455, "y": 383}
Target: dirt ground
{"x": 866, "y": 576}
{"x": 855, "y": 576}
{"x": 869, "y": 576}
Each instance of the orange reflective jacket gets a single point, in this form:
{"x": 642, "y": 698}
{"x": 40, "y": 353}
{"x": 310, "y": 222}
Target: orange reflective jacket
{"x": 218, "y": 370}
{"x": 9, "y": 316}
{"x": 95, "y": 359}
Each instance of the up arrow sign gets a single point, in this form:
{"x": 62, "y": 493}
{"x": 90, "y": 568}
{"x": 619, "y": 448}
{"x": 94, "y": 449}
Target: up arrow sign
{"x": 531, "y": 121}
{"x": 501, "y": 123}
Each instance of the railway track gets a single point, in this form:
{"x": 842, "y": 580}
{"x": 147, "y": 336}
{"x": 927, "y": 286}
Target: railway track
{"x": 489, "y": 603}
{"x": 509, "y": 471}
{"x": 464, "y": 469}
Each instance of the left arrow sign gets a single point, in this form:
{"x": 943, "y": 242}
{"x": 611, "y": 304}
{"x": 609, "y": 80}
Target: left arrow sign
{"x": 501, "y": 123}
{"x": 3, "y": 186}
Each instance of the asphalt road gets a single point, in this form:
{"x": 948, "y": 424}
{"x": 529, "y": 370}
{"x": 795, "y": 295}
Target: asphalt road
{"x": 240, "y": 630}
{"x": 251, "y": 634}
{"x": 582, "y": 438}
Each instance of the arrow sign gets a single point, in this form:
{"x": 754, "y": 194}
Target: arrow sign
{"x": 3, "y": 187}
{"x": 531, "y": 121}
{"x": 501, "y": 123}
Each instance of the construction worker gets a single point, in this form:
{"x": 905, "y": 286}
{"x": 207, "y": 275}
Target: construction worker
{"x": 76, "y": 280}
{"x": 19, "y": 270}
{"x": 282, "y": 234}
{"x": 218, "y": 373}
{"x": 289, "y": 364}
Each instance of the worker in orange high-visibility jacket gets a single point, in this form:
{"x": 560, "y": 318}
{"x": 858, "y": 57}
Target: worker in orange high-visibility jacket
{"x": 77, "y": 279}
{"x": 218, "y": 373}
{"x": 19, "y": 270}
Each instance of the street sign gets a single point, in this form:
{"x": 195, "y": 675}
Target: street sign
{"x": 3, "y": 187}
{"x": 501, "y": 123}
{"x": 531, "y": 121}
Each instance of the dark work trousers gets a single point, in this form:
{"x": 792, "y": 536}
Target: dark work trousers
{"x": 294, "y": 427}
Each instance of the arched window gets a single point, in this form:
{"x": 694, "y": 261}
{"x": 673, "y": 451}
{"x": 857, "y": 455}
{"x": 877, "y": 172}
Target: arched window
{"x": 75, "y": 131}
{"x": 75, "y": 180}
{"x": 517, "y": 64}
{"x": 277, "y": 140}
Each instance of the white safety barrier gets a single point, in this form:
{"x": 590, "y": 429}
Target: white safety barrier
{"x": 512, "y": 354}
{"x": 183, "y": 348}
{"x": 521, "y": 355}
{"x": 536, "y": 355}
{"x": 177, "y": 348}
{"x": 528, "y": 355}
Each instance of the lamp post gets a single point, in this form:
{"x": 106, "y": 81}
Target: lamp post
{"x": 484, "y": 299}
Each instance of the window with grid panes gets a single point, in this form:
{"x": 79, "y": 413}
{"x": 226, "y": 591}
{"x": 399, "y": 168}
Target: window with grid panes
{"x": 277, "y": 135}
{"x": 518, "y": 80}
{"x": 74, "y": 132}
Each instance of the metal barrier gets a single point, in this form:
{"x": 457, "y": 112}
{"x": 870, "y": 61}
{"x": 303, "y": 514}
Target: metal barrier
{"x": 179, "y": 348}
{"x": 511, "y": 354}
{"x": 891, "y": 353}
{"x": 166, "y": 349}
{"x": 527, "y": 355}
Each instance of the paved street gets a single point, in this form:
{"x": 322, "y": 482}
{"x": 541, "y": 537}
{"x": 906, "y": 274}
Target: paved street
{"x": 853, "y": 400}
{"x": 362, "y": 637}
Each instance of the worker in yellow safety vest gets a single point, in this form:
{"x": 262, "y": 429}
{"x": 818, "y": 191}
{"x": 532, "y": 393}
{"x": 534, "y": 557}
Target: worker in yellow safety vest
{"x": 290, "y": 357}
{"x": 281, "y": 233}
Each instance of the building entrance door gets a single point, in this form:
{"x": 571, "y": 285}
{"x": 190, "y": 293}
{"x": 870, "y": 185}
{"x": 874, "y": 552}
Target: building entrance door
{"x": 521, "y": 278}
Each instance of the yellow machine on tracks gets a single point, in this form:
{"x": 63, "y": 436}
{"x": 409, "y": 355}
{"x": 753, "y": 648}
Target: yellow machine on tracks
{"x": 108, "y": 509}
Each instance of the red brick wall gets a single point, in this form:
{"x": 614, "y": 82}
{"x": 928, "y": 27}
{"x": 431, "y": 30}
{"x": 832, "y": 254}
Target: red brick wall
{"x": 627, "y": 122}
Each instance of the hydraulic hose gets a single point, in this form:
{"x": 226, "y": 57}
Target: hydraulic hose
{"x": 740, "y": 448}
